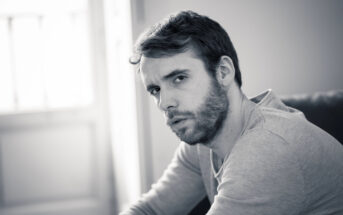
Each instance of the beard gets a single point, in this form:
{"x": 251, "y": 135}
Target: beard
{"x": 207, "y": 119}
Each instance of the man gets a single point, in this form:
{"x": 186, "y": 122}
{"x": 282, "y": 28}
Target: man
{"x": 254, "y": 156}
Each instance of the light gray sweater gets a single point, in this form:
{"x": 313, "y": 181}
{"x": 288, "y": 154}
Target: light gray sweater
{"x": 281, "y": 164}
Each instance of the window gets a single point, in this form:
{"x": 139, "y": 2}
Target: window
{"x": 44, "y": 55}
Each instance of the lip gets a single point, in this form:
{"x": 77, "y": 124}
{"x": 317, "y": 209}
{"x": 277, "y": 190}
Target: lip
{"x": 175, "y": 121}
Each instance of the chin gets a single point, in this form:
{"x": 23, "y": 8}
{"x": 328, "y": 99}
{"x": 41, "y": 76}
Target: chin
{"x": 193, "y": 143}
{"x": 193, "y": 138}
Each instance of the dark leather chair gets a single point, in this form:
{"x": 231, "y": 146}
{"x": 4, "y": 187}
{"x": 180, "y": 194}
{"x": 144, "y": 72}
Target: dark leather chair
{"x": 324, "y": 109}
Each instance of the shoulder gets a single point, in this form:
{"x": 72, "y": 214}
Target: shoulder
{"x": 262, "y": 163}
{"x": 261, "y": 145}
{"x": 277, "y": 120}
{"x": 262, "y": 168}
{"x": 262, "y": 156}
{"x": 292, "y": 127}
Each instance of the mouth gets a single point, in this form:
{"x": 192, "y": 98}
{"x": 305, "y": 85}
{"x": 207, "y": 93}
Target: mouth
{"x": 175, "y": 121}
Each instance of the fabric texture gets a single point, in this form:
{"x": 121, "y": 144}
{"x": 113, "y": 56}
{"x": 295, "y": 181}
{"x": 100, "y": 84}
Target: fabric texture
{"x": 281, "y": 164}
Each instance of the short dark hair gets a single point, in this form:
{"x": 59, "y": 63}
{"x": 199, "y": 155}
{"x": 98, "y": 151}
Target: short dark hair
{"x": 186, "y": 30}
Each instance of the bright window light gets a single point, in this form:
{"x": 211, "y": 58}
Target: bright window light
{"x": 6, "y": 82}
{"x": 44, "y": 52}
{"x": 121, "y": 79}
{"x": 27, "y": 64}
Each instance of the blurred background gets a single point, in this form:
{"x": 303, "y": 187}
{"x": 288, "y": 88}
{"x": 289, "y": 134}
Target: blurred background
{"x": 78, "y": 132}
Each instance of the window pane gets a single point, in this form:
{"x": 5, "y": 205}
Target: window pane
{"x": 66, "y": 60}
{"x": 82, "y": 59}
{"x": 6, "y": 84}
{"x": 41, "y": 6}
{"x": 44, "y": 52}
{"x": 28, "y": 74}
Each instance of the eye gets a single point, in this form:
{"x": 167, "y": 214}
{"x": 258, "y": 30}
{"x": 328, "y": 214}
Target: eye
{"x": 154, "y": 91}
{"x": 179, "y": 79}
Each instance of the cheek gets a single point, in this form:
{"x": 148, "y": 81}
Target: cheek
{"x": 193, "y": 96}
{"x": 192, "y": 101}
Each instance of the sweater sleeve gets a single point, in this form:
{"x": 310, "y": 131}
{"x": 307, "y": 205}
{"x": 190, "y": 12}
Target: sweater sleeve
{"x": 178, "y": 190}
{"x": 261, "y": 176}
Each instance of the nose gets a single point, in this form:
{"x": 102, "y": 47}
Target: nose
{"x": 166, "y": 100}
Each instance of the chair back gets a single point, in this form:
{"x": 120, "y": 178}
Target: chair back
{"x": 324, "y": 109}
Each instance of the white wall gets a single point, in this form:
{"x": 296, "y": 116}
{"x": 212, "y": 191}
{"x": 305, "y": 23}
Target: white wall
{"x": 289, "y": 46}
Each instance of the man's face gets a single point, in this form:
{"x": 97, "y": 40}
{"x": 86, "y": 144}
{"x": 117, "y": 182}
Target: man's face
{"x": 193, "y": 102}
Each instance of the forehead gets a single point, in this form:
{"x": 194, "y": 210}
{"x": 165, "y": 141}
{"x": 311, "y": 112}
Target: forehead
{"x": 154, "y": 69}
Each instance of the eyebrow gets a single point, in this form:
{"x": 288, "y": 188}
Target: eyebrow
{"x": 175, "y": 73}
{"x": 168, "y": 76}
{"x": 151, "y": 87}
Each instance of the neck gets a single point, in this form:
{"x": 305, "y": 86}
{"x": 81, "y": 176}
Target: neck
{"x": 234, "y": 124}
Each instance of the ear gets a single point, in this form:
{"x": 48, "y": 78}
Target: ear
{"x": 225, "y": 72}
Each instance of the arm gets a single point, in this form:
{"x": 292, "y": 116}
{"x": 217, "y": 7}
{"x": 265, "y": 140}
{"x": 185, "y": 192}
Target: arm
{"x": 178, "y": 190}
{"x": 261, "y": 176}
